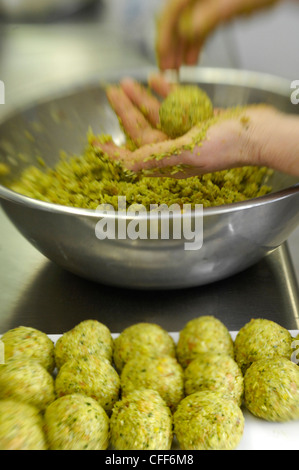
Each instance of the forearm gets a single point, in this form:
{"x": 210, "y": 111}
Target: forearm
{"x": 274, "y": 141}
{"x": 260, "y": 136}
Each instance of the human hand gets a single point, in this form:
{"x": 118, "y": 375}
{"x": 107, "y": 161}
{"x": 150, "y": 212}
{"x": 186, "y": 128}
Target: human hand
{"x": 184, "y": 25}
{"x": 230, "y": 139}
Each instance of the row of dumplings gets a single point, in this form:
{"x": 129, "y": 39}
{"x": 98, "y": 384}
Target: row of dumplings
{"x": 140, "y": 389}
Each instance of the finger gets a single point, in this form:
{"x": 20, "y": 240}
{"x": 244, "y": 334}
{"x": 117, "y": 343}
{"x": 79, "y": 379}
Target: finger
{"x": 166, "y": 154}
{"x": 159, "y": 159}
{"x": 112, "y": 150}
{"x": 115, "y": 153}
{"x": 192, "y": 53}
{"x": 160, "y": 85}
{"x": 169, "y": 60}
{"x": 182, "y": 159}
{"x": 199, "y": 20}
{"x": 148, "y": 104}
{"x": 182, "y": 46}
{"x": 166, "y": 42}
{"x": 134, "y": 123}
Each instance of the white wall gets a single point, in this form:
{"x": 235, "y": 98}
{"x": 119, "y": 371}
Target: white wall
{"x": 269, "y": 41}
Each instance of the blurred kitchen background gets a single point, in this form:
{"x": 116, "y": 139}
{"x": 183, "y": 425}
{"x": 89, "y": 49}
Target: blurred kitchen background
{"x": 47, "y": 45}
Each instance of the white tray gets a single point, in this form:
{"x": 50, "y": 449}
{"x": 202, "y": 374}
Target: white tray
{"x": 258, "y": 434}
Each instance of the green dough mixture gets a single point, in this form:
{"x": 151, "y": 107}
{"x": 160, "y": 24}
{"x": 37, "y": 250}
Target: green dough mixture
{"x": 92, "y": 179}
{"x": 183, "y": 108}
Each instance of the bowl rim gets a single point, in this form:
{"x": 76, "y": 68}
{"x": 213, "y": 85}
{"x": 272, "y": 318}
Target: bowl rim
{"x": 207, "y": 75}
{"x": 30, "y": 203}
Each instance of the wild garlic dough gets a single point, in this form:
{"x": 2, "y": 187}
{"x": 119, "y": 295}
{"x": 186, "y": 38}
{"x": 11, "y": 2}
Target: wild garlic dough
{"x": 207, "y": 421}
{"x": 21, "y": 427}
{"x": 91, "y": 376}
{"x": 142, "y": 339}
{"x": 141, "y": 421}
{"x": 163, "y": 374}
{"x": 201, "y": 335}
{"x": 184, "y": 107}
{"x": 28, "y": 381}
{"x": 272, "y": 389}
{"x": 261, "y": 339}
{"x": 26, "y": 342}
{"x": 88, "y": 337}
{"x": 76, "y": 422}
{"x": 92, "y": 178}
{"x": 215, "y": 372}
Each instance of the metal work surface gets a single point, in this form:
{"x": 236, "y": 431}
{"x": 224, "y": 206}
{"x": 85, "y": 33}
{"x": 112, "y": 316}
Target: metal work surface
{"x": 35, "y": 292}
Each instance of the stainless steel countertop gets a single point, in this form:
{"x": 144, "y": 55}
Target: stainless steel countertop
{"x": 37, "y": 60}
{"x": 35, "y": 292}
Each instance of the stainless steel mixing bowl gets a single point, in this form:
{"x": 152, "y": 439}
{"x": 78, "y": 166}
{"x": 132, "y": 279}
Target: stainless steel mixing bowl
{"x": 234, "y": 236}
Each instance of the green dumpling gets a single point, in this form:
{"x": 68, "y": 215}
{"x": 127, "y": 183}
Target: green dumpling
{"x": 183, "y": 108}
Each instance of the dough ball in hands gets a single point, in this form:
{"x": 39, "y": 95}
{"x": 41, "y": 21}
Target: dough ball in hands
{"x": 183, "y": 108}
